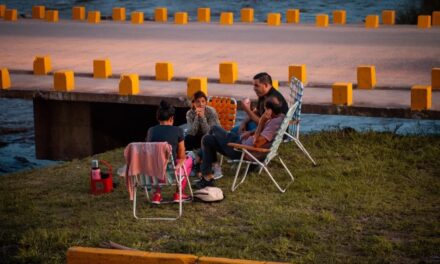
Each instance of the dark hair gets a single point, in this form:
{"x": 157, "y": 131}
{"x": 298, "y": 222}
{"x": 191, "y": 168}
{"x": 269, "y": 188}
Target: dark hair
{"x": 263, "y": 77}
{"x": 199, "y": 94}
{"x": 274, "y": 104}
{"x": 165, "y": 111}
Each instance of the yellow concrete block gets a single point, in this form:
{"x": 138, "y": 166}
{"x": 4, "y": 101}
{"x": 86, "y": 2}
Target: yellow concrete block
{"x": 435, "y": 78}
{"x": 292, "y": 16}
{"x": 94, "y": 17}
{"x": 226, "y": 18}
{"x": 11, "y": 14}
{"x": 181, "y": 18}
{"x": 421, "y": 97}
{"x": 322, "y": 20}
{"x": 129, "y": 84}
{"x": 102, "y": 68}
{"x": 299, "y": 72}
{"x": 2, "y": 10}
{"x": 42, "y": 65}
{"x": 195, "y": 84}
{"x": 275, "y": 84}
{"x": 164, "y": 71}
{"x": 137, "y": 17}
{"x": 247, "y": 15}
{"x": 228, "y": 72}
{"x": 366, "y": 77}
{"x": 274, "y": 19}
{"x": 436, "y": 18}
{"x": 424, "y": 21}
{"x": 339, "y": 17}
{"x": 52, "y": 16}
{"x": 372, "y": 21}
{"x": 64, "y": 81}
{"x": 388, "y": 17}
{"x": 204, "y": 15}
{"x": 161, "y": 14}
{"x": 118, "y": 14}
{"x": 82, "y": 255}
{"x": 78, "y": 13}
{"x": 342, "y": 94}
{"x": 5, "y": 79}
{"x": 38, "y": 12}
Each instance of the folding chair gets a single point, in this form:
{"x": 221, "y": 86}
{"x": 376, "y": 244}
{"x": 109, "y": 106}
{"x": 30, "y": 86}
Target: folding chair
{"x": 138, "y": 157}
{"x": 246, "y": 151}
{"x": 226, "y": 108}
{"x": 296, "y": 92}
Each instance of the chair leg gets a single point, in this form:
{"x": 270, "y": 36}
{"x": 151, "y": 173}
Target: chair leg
{"x": 301, "y": 147}
{"x": 234, "y": 183}
{"x": 282, "y": 190}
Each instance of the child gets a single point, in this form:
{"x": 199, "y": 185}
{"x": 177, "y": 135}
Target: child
{"x": 166, "y": 132}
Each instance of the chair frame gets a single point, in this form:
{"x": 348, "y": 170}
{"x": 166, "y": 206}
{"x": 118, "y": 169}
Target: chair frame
{"x": 296, "y": 92}
{"x": 272, "y": 152}
{"x": 178, "y": 178}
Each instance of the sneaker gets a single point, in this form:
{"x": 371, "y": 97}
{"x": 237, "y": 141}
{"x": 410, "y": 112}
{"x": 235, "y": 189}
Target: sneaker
{"x": 157, "y": 198}
{"x": 185, "y": 197}
{"x": 217, "y": 171}
{"x": 204, "y": 183}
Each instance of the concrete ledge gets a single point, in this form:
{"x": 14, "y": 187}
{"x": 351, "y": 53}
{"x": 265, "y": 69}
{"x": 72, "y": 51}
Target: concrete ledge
{"x": 79, "y": 255}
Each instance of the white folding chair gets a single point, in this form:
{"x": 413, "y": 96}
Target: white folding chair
{"x": 247, "y": 151}
{"x": 296, "y": 90}
{"x": 147, "y": 182}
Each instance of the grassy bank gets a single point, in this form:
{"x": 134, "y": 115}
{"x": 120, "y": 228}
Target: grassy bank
{"x": 372, "y": 198}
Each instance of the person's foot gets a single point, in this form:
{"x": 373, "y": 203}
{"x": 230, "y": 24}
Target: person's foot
{"x": 185, "y": 197}
{"x": 217, "y": 172}
{"x": 204, "y": 183}
{"x": 157, "y": 198}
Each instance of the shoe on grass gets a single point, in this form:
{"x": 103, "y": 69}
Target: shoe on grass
{"x": 204, "y": 183}
{"x": 217, "y": 171}
{"x": 157, "y": 198}
{"x": 185, "y": 197}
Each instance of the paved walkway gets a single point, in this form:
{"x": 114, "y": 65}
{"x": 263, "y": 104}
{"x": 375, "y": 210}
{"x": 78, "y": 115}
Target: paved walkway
{"x": 403, "y": 56}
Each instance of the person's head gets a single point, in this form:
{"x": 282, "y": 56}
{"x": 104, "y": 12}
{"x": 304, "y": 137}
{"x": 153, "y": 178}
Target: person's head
{"x": 165, "y": 112}
{"x": 199, "y": 99}
{"x": 274, "y": 105}
{"x": 262, "y": 83}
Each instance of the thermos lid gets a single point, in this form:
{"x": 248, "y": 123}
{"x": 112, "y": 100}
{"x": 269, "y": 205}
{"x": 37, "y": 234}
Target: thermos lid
{"x": 95, "y": 164}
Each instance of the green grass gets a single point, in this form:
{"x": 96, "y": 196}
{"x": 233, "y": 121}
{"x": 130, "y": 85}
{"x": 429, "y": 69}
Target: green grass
{"x": 373, "y": 198}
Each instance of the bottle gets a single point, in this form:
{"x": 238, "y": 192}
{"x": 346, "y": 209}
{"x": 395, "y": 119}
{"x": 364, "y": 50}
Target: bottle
{"x": 96, "y": 172}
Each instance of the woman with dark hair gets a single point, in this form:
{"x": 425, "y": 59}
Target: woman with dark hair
{"x": 166, "y": 132}
{"x": 200, "y": 118}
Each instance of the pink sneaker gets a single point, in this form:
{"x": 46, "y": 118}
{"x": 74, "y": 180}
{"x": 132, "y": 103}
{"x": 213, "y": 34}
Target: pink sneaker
{"x": 185, "y": 197}
{"x": 157, "y": 198}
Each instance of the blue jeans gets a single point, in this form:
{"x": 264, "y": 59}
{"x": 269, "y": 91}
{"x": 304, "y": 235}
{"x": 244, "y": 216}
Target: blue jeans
{"x": 217, "y": 141}
{"x": 250, "y": 126}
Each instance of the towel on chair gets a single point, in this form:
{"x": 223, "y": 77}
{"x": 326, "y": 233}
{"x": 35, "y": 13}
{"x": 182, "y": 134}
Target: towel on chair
{"x": 146, "y": 158}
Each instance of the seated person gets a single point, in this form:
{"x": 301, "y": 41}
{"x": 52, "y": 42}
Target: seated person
{"x": 218, "y": 138}
{"x": 166, "y": 132}
{"x": 263, "y": 88}
{"x": 200, "y": 118}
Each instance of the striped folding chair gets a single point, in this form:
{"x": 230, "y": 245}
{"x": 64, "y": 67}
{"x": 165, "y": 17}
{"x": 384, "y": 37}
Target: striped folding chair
{"x": 296, "y": 93}
{"x": 248, "y": 158}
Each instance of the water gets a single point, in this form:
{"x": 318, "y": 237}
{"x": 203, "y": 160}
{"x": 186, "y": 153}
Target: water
{"x": 17, "y": 141}
{"x": 357, "y": 10}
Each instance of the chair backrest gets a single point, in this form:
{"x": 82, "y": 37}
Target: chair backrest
{"x": 226, "y": 108}
{"x": 296, "y": 89}
{"x": 280, "y": 134}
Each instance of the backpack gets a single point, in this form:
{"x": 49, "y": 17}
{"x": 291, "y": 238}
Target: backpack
{"x": 209, "y": 194}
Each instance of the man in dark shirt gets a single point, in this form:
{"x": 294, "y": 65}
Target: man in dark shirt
{"x": 263, "y": 88}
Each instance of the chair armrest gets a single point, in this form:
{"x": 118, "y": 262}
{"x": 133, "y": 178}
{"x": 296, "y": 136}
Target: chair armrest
{"x": 241, "y": 146}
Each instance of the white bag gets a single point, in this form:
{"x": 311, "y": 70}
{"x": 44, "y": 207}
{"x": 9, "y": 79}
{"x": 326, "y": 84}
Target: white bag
{"x": 209, "y": 194}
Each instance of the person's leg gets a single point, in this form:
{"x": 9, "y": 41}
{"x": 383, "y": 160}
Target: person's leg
{"x": 251, "y": 126}
{"x": 209, "y": 154}
{"x": 192, "y": 142}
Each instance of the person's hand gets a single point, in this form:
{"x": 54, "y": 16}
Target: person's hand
{"x": 266, "y": 115}
{"x": 245, "y": 135}
{"x": 246, "y": 104}
{"x": 200, "y": 112}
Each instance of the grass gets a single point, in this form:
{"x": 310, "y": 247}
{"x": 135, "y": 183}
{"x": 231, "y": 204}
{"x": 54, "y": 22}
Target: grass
{"x": 373, "y": 198}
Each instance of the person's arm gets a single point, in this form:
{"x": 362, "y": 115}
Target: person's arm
{"x": 259, "y": 140}
{"x": 252, "y": 114}
{"x": 213, "y": 119}
{"x": 193, "y": 122}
